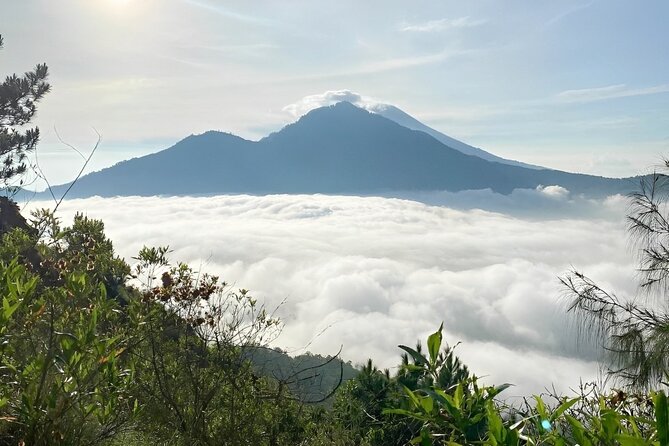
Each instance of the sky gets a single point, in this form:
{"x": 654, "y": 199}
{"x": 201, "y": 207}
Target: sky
{"x": 369, "y": 273}
{"x": 576, "y": 85}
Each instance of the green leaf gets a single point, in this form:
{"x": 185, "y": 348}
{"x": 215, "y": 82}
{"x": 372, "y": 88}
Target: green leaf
{"x": 578, "y": 430}
{"x": 438, "y": 395}
{"x": 494, "y": 391}
{"x": 427, "y": 404}
{"x": 8, "y": 308}
{"x": 458, "y": 395}
{"x": 412, "y": 396}
{"x": 417, "y": 357}
{"x": 103, "y": 291}
{"x": 563, "y": 407}
{"x": 405, "y": 413}
{"x": 610, "y": 423}
{"x": 541, "y": 408}
{"x": 495, "y": 424}
{"x": 628, "y": 440}
{"x": 662, "y": 418}
{"x": 425, "y": 439}
{"x": 434, "y": 344}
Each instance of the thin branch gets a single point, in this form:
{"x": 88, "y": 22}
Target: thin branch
{"x": 81, "y": 171}
{"x": 68, "y": 144}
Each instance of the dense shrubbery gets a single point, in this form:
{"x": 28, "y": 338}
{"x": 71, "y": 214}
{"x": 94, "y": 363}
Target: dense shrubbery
{"x": 86, "y": 356}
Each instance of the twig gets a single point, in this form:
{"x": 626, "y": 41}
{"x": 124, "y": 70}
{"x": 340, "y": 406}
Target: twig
{"x": 81, "y": 171}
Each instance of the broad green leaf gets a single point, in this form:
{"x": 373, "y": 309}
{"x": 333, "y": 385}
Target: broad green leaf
{"x": 495, "y": 424}
{"x": 662, "y": 418}
{"x": 579, "y": 431}
{"x": 434, "y": 344}
{"x": 427, "y": 404}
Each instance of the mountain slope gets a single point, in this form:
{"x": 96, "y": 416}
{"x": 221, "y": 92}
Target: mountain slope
{"x": 395, "y": 114}
{"x": 336, "y": 149}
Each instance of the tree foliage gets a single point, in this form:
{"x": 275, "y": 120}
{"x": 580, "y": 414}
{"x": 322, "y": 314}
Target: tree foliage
{"x": 18, "y": 104}
{"x": 90, "y": 352}
{"x": 634, "y": 330}
{"x": 470, "y": 413}
{"x": 66, "y": 377}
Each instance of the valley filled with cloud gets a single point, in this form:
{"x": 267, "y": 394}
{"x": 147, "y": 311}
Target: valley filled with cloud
{"x": 369, "y": 273}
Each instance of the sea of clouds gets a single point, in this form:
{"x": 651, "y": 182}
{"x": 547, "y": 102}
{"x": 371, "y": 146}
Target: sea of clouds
{"x": 369, "y": 273}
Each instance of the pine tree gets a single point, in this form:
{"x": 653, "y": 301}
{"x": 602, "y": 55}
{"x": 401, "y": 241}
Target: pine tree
{"x": 18, "y": 98}
{"x": 634, "y": 330}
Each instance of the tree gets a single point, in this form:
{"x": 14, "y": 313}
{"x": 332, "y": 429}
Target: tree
{"x": 359, "y": 414}
{"x": 18, "y": 98}
{"x": 196, "y": 381}
{"x": 445, "y": 412}
{"x": 635, "y": 332}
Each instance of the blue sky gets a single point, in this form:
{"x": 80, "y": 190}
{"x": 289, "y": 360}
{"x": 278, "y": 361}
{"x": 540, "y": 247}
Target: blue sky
{"x": 576, "y": 85}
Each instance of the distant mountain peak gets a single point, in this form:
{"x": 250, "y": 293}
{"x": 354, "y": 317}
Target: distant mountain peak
{"x": 325, "y": 119}
{"x": 343, "y": 107}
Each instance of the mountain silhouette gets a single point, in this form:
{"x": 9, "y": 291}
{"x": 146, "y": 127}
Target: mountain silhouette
{"x": 340, "y": 149}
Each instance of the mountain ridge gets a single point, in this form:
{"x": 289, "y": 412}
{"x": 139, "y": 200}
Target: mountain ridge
{"x": 406, "y": 120}
{"x": 340, "y": 149}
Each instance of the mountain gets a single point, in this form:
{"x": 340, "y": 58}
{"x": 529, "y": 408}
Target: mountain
{"x": 395, "y": 114}
{"x": 310, "y": 377}
{"x": 341, "y": 149}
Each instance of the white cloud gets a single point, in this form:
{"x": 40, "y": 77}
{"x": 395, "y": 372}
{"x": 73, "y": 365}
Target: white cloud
{"x": 574, "y": 9}
{"x": 608, "y": 92}
{"x": 556, "y": 192}
{"x": 442, "y": 24}
{"x": 331, "y": 97}
{"x": 398, "y": 63}
{"x": 376, "y": 272}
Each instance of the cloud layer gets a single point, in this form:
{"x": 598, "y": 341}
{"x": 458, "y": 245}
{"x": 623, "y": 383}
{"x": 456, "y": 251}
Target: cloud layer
{"x": 370, "y": 273}
{"x": 330, "y": 97}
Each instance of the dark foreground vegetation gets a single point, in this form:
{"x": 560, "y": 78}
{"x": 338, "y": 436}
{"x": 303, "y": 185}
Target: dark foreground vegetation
{"x": 94, "y": 351}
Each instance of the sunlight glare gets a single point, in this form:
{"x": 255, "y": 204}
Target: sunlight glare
{"x": 119, "y": 3}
